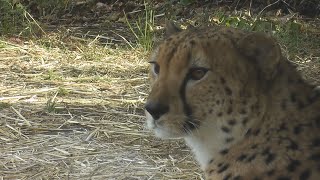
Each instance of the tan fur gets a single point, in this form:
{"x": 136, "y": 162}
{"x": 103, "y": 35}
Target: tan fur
{"x": 262, "y": 119}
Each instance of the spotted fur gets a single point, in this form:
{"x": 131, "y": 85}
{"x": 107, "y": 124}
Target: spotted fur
{"x": 250, "y": 115}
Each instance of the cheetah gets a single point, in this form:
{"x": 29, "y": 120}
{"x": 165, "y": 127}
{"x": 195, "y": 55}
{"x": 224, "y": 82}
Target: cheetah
{"x": 240, "y": 105}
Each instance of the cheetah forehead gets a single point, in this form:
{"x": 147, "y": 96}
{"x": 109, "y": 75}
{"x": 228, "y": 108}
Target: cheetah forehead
{"x": 191, "y": 46}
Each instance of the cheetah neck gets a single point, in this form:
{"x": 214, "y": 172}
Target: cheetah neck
{"x": 205, "y": 144}
{"x": 290, "y": 93}
{"x": 209, "y": 142}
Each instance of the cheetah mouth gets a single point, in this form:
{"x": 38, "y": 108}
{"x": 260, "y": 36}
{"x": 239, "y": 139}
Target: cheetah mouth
{"x": 168, "y": 127}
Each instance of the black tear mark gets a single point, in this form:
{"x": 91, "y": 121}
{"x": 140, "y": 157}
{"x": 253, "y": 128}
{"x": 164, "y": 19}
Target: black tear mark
{"x": 190, "y": 124}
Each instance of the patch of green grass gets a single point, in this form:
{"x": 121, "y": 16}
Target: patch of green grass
{"x": 62, "y": 91}
{"x": 4, "y": 105}
{"x": 51, "y": 75}
{"x": 289, "y": 33}
{"x": 14, "y": 18}
{"x": 143, "y": 28}
{"x": 51, "y": 103}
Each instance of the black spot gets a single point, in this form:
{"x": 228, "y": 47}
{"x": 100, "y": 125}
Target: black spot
{"x": 266, "y": 151}
{"x": 315, "y": 157}
{"x": 251, "y": 158}
{"x": 271, "y": 172}
{"x": 211, "y": 171}
{"x": 220, "y": 164}
{"x": 248, "y": 133}
{"x": 254, "y": 146}
{"x": 218, "y": 102}
{"x": 192, "y": 42}
{"x": 293, "y": 165}
{"x": 293, "y": 97}
{"x": 270, "y": 157}
{"x": 283, "y": 127}
{"x": 297, "y": 129}
{"x": 232, "y": 122}
{"x": 284, "y": 104}
{"x": 224, "y": 152}
{"x": 283, "y": 178}
{"x": 242, "y": 157}
{"x": 237, "y": 178}
{"x": 245, "y": 121}
{"x": 301, "y": 105}
{"x": 229, "y": 111}
{"x": 256, "y": 132}
{"x": 225, "y": 129}
{"x": 230, "y": 139}
{"x": 227, "y": 177}
{"x": 317, "y": 121}
{"x": 305, "y": 175}
{"x": 210, "y": 111}
{"x": 256, "y": 178}
{"x": 316, "y": 142}
{"x": 222, "y": 80}
{"x": 219, "y": 114}
{"x": 290, "y": 80}
{"x": 211, "y": 161}
{"x": 228, "y": 91}
{"x": 244, "y": 102}
{"x": 293, "y": 145}
{"x": 223, "y": 168}
{"x": 243, "y": 111}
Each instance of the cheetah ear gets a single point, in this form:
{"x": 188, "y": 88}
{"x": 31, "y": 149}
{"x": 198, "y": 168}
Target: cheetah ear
{"x": 263, "y": 50}
{"x": 171, "y": 28}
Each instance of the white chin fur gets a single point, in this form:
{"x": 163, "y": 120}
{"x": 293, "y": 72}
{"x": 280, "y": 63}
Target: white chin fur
{"x": 159, "y": 132}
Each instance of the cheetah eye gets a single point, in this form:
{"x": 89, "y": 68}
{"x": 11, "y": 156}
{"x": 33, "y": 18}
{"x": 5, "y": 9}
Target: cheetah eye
{"x": 197, "y": 73}
{"x": 155, "y": 66}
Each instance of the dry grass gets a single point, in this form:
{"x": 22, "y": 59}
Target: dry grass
{"x": 73, "y": 110}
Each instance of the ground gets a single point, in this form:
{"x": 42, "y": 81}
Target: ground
{"x": 71, "y": 102}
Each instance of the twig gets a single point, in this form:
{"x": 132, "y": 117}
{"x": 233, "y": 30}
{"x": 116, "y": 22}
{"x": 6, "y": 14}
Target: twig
{"x": 20, "y": 115}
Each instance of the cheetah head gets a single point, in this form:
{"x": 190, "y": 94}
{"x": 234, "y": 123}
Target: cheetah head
{"x": 204, "y": 78}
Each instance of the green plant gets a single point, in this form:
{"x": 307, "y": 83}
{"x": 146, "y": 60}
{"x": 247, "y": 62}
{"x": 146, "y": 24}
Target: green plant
{"x": 186, "y": 2}
{"x": 63, "y": 91}
{"x": 11, "y": 17}
{"x": 51, "y": 103}
{"x": 4, "y": 105}
{"x": 143, "y": 29}
{"x": 14, "y": 18}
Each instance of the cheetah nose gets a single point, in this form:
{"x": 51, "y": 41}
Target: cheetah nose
{"x": 156, "y": 110}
